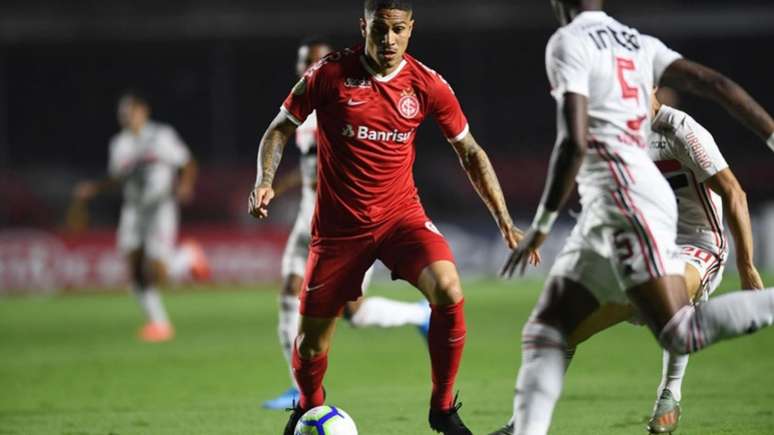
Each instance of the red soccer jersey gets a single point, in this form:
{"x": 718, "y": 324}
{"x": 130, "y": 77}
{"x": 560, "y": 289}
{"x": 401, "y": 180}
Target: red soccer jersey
{"x": 366, "y": 128}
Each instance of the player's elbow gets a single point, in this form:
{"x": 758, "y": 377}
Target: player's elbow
{"x": 573, "y": 148}
{"x": 736, "y": 197}
{"x": 715, "y": 83}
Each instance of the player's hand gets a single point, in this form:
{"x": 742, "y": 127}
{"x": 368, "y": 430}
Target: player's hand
{"x": 258, "y": 203}
{"x": 750, "y": 278}
{"x": 185, "y": 193}
{"x": 84, "y": 191}
{"x": 520, "y": 256}
{"x": 513, "y": 236}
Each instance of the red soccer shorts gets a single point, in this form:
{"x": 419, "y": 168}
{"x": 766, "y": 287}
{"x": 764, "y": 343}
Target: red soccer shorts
{"x": 336, "y": 265}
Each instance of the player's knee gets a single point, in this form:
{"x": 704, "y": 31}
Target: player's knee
{"x": 448, "y": 289}
{"x": 310, "y": 346}
{"x": 679, "y": 336}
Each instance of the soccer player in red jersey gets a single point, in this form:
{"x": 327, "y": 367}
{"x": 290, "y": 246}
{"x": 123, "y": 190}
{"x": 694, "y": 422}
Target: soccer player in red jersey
{"x": 369, "y": 101}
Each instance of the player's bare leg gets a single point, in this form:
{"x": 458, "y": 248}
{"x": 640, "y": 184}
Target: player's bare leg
{"x": 364, "y": 312}
{"x": 440, "y": 284}
{"x": 665, "y": 415}
{"x": 310, "y": 361}
{"x": 146, "y": 274}
{"x": 682, "y": 328}
{"x": 375, "y": 311}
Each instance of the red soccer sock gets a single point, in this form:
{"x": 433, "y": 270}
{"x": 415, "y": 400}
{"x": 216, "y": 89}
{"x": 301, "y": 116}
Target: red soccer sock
{"x": 446, "y": 339}
{"x": 309, "y": 375}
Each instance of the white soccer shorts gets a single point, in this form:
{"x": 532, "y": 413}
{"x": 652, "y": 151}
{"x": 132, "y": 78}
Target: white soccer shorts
{"x": 623, "y": 238}
{"x": 153, "y": 228}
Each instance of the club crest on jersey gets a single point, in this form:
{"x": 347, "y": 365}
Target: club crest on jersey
{"x": 357, "y": 83}
{"x": 408, "y": 105}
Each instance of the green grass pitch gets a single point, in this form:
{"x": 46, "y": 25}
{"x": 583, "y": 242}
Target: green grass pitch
{"x": 71, "y": 365}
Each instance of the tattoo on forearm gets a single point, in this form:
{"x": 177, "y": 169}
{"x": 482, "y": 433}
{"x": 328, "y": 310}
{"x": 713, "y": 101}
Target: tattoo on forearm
{"x": 484, "y": 180}
{"x": 269, "y": 156}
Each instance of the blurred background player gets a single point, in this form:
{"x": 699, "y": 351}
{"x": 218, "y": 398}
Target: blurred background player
{"x": 367, "y": 311}
{"x": 156, "y": 171}
{"x": 623, "y": 248}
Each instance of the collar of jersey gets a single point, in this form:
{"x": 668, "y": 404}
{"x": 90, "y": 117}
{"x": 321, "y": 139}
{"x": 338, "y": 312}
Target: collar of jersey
{"x": 378, "y": 77}
{"x": 591, "y": 14}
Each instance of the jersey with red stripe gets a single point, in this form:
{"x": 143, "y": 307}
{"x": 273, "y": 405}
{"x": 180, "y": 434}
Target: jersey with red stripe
{"x": 687, "y": 155}
{"x": 615, "y": 68}
{"x": 366, "y": 128}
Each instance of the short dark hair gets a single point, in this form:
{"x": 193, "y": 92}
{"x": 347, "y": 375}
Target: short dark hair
{"x": 311, "y": 41}
{"x": 136, "y": 96}
{"x": 372, "y": 6}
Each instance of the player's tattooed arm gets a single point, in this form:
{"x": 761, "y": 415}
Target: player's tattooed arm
{"x": 482, "y": 175}
{"x": 725, "y": 184}
{"x": 705, "y": 82}
{"x": 269, "y": 156}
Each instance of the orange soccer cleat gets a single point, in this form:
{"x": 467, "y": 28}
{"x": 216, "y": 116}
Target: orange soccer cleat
{"x": 156, "y": 332}
{"x": 200, "y": 267}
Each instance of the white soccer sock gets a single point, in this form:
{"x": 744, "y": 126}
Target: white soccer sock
{"x": 287, "y": 327}
{"x": 543, "y": 363}
{"x": 151, "y": 304}
{"x": 723, "y": 317}
{"x": 672, "y": 374}
{"x": 180, "y": 263}
{"x": 386, "y": 313}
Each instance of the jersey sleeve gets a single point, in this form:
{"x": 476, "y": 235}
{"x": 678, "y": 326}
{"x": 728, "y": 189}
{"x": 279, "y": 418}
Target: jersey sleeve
{"x": 447, "y": 111}
{"x": 568, "y": 65}
{"x": 115, "y": 163}
{"x": 308, "y": 93}
{"x": 177, "y": 152}
{"x": 662, "y": 56}
{"x": 699, "y": 150}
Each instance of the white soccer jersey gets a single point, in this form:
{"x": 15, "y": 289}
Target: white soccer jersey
{"x": 147, "y": 163}
{"x": 625, "y": 235}
{"x": 687, "y": 155}
{"x": 615, "y": 67}
{"x": 306, "y": 141}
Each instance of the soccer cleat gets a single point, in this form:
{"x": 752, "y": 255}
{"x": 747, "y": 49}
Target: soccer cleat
{"x": 448, "y": 422}
{"x": 283, "y": 401}
{"x": 424, "y": 328}
{"x": 505, "y": 430}
{"x": 666, "y": 415}
{"x": 200, "y": 267}
{"x": 295, "y": 414}
{"x": 156, "y": 332}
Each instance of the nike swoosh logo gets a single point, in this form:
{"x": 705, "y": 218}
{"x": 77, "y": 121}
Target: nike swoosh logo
{"x": 352, "y": 102}
{"x": 311, "y": 289}
{"x": 454, "y": 340}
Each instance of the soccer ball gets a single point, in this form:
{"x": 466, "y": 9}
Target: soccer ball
{"x": 325, "y": 420}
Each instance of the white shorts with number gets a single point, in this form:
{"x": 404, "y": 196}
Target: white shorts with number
{"x": 710, "y": 267}
{"x": 623, "y": 238}
{"x": 297, "y": 247}
{"x": 153, "y": 228}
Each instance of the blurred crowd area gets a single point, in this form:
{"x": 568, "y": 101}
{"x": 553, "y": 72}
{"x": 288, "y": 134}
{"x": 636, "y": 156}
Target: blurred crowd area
{"x": 218, "y": 72}
{"x": 58, "y": 95}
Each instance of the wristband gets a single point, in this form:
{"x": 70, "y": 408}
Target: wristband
{"x": 770, "y": 142}
{"x": 544, "y": 219}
